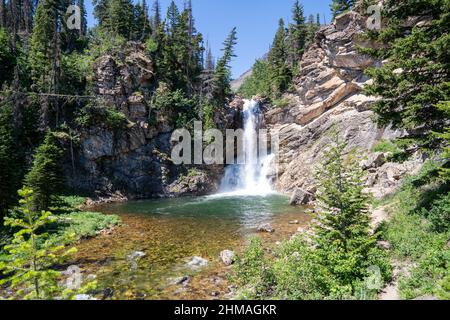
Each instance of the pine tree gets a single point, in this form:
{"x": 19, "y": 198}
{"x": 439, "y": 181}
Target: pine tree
{"x": 101, "y": 13}
{"x": 9, "y": 177}
{"x": 297, "y": 35}
{"x": 280, "y": 74}
{"x": 7, "y": 59}
{"x": 141, "y": 25}
{"x": 222, "y": 75}
{"x": 121, "y": 14}
{"x": 157, "y": 15}
{"x": 342, "y": 234}
{"x": 340, "y": 6}
{"x": 2, "y": 14}
{"x": 30, "y": 259}
{"x": 415, "y": 81}
{"x": 46, "y": 175}
{"x": 42, "y": 49}
{"x": 83, "y": 13}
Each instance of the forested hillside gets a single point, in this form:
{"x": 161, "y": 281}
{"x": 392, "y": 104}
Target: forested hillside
{"x": 50, "y": 86}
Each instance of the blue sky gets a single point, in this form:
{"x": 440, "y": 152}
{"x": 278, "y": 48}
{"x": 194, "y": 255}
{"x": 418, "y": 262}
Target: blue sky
{"x": 256, "y": 22}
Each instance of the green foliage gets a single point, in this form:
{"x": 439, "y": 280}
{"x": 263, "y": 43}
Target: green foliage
{"x": 340, "y": 260}
{"x": 30, "y": 256}
{"x": 391, "y": 149}
{"x": 297, "y": 36}
{"x": 259, "y": 81}
{"x": 81, "y": 225}
{"x": 280, "y": 74}
{"x": 42, "y": 45}
{"x": 9, "y": 175}
{"x": 415, "y": 80}
{"x": 342, "y": 232}
{"x": 340, "y": 6}
{"x": 99, "y": 115}
{"x": 252, "y": 272}
{"x": 222, "y": 74}
{"x": 419, "y": 231}
{"x": 439, "y": 214}
{"x": 46, "y": 176}
{"x": 7, "y": 59}
{"x": 177, "y": 104}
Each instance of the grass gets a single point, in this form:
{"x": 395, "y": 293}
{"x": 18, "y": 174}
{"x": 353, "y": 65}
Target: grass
{"x": 74, "y": 224}
{"x": 418, "y": 235}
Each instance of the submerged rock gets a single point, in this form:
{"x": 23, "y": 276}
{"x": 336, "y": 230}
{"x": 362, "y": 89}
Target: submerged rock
{"x": 197, "y": 263}
{"x": 181, "y": 281}
{"x": 227, "y": 257}
{"x": 136, "y": 255}
{"x": 266, "y": 228}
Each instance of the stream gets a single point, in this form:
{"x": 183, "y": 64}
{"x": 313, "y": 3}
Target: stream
{"x": 148, "y": 256}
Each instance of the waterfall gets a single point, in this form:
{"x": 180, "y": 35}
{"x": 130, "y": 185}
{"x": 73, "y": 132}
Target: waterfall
{"x": 251, "y": 178}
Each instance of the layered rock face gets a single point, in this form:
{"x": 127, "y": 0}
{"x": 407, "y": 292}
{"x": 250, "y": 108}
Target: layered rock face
{"x": 328, "y": 97}
{"x": 134, "y": 161}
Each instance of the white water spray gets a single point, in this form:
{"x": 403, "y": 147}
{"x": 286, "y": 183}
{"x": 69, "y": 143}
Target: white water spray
{"x": 253, "y": 177}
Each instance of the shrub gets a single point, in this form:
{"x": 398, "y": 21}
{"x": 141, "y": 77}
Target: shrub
{"x": 439, "y": 214}
{"x": 252, "y": 272}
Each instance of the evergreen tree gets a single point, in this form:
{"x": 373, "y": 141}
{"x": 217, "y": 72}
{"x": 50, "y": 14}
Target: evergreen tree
{"x": 141, "y": 27}
{"x": 2, "y": 14}
{"x": 9, "y": 176}
{"x": 46, "y": 175}
{"x": 312, "y": 29}
{"x": 101, "y": 13}
{"x": 340, "y": 6}
{"x": 297, "y": 35}
{"x": 83, "y": 13}
{"x": 280, "y": 74}
{"x": 7, "y": 59}
{"x": 222, "y": 75}
{"x": 157, "y": 15}
{"x": 121, "y": 15}
{"x": 415, "y": 81}
{"x": 28, "y": 264}
{"x": 42, "y": 50}
{"x": 342, "y": 234}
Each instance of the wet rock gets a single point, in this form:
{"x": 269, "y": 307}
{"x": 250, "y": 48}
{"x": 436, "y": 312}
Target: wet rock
{"x": 108, "y": 293}
{"x": 267, "y": 228}
{"x": 185, "y": 280}
{"x": 301, "y": 197}
{"x": 197, "y": 263}
{"x": 227, "y": 257}
{"x": 136, "y": 255}
{"x": 134, "y": 258}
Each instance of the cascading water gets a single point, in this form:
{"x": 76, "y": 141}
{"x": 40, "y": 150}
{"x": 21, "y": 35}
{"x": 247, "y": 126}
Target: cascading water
{"x": 251, "y": 178}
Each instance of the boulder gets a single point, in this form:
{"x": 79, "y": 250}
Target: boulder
{"x": 196, "y": 263}
{"x": 375, "y": 160}
{"x": 227, "y": 257}
{"x": 267, "y": 228}
{"x": 301, "y": 197}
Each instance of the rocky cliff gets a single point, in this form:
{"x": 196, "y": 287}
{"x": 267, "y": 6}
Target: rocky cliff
{"x": 134, "y": 160}
{"x": 328, "y": 94}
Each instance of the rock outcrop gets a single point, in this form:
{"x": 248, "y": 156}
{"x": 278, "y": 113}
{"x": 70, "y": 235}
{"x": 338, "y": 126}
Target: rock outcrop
{"x": 329, "y": 96}
{"x": 134, "y": 159}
